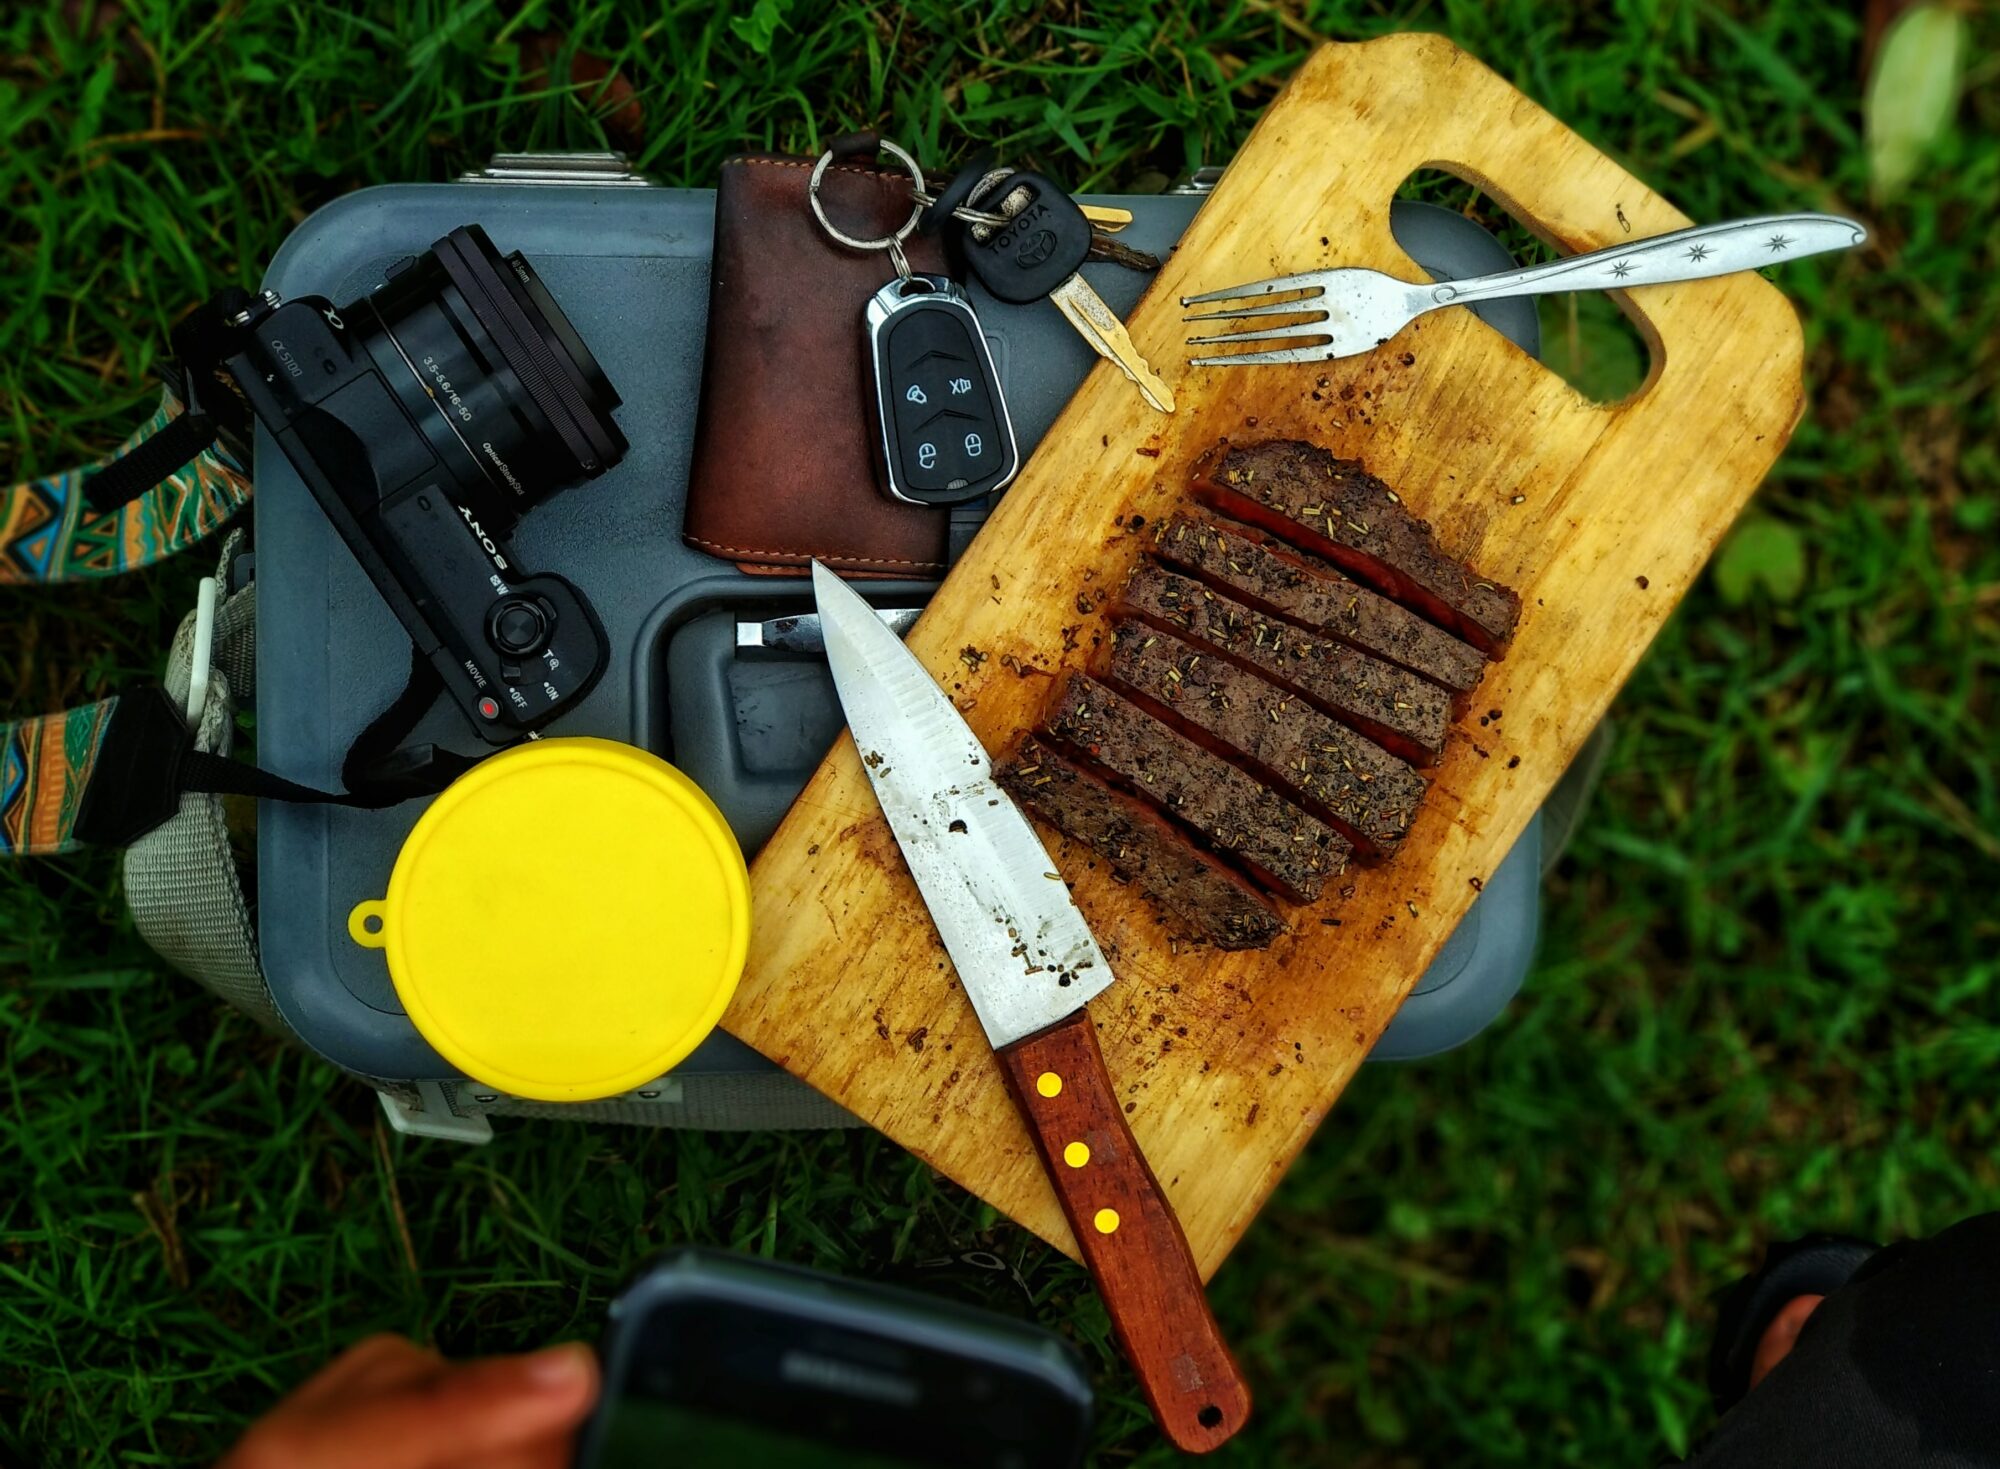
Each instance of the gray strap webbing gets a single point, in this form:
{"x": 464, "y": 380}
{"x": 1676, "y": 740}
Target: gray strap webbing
{"x": 180, "y": 878}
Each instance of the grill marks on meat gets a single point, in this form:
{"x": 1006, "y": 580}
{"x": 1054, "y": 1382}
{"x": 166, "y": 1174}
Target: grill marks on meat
{"x": 1283, "y": 583}
{"x": 1200, "y": 898}
{"x": 1338, "y": 510}
{"x": 1281, "y": 845}
{"x": 1390, "y": 705}
{"x": 1262, "y": 712}
{"x": 1363, "y": 791}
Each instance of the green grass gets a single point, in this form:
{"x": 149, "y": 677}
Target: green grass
{"x": 1765, "y": 1002}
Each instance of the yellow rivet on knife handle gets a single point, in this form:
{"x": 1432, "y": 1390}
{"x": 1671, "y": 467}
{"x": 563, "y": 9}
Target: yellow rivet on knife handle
{"x": 1049, "y": 1084}
{"x": 1106, "y": 1220}
{"x": 1076, "y": 1154}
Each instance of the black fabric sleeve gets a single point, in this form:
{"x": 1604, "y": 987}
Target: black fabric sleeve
{"x": 1898, "y": 1369}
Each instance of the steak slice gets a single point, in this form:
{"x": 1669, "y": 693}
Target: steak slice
{"x": 1281, "y": 845}
{"x": 1198, "y": 897}
{"x": 1338, "y": 510}
{"x": 1364, "y": 792}
{"x": 1284, "y": 583}
{"x": 1391, "y": 705}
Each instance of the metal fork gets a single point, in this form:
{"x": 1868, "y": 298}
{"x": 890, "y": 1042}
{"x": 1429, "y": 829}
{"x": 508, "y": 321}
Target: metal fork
{"x": 1354, "y": 310}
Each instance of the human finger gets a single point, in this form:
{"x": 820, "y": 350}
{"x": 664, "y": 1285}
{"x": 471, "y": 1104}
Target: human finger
{"x": 1780, "y": 1334}
{"x": 469, "y": 1414}
{"x": 375, "y": 1363}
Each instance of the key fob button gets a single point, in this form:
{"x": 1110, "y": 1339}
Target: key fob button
{"x": 976, "y": 445}
{"x": 951, "y": 448}
{"x": 970, "y": 449}
{"x": 936, "y": 383}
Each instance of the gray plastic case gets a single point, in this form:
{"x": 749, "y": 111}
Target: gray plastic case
{"x": 629, "y": 266}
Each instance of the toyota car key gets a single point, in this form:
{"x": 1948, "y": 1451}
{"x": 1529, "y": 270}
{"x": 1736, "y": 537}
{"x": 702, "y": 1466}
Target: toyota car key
{"x": 1039, "y": 251}
{"x": 945, "y": 434}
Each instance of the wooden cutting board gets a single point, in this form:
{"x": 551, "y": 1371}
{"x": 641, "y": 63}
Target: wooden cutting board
{"x": 1229, "y": 1061}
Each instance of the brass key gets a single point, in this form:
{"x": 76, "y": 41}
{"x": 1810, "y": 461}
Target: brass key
{"x": 1039, "y": 252}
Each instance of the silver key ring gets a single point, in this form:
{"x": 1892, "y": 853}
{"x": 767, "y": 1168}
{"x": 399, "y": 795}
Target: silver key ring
{"x": 988, "y": 221}
{"x": 893, "y": 243}
{"x": 964, "y": 212}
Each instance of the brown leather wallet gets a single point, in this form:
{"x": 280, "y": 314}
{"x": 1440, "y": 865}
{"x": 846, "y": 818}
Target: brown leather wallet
{"x": 784, "y": 468}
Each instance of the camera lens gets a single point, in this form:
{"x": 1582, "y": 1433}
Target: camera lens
{"x": 590, "y": 377}
{"x": 491, "y": 371}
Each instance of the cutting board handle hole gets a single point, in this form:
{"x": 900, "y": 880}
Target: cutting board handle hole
{"x": 1593, "y": 341}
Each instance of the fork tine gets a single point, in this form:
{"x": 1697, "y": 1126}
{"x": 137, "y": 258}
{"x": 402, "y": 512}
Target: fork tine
{"x": 1308, "y": 281}
{"x": 1276, "y": 334}
{"x": 1303, "y": 306}
{"x": 1262, "y": 359}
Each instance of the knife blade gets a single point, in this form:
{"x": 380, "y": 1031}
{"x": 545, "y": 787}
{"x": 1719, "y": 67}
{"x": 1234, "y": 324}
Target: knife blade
{"x": 1028, "y": 962}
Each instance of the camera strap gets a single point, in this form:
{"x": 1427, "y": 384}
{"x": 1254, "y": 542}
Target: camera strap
{"x": 109, "y": 772}
{"x": 169, "y": 485}
{"x": 173, "y": 482}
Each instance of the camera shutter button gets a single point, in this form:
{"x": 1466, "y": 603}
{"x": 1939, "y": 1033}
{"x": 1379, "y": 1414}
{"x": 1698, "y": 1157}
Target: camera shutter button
{"x": 520, "y": 626}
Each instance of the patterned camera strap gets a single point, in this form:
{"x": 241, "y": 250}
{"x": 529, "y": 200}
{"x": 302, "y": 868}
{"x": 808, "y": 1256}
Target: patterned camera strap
{"x": 48, "y": 533}
{"x": 45, "y": 765}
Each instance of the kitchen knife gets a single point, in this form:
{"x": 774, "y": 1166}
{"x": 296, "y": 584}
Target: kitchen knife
{"x": 1029, "y": 963}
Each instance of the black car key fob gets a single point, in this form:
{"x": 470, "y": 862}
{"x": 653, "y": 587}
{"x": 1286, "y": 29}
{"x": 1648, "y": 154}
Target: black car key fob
{"x": 1041, "y": 247}
{"x": 945, "y": 434}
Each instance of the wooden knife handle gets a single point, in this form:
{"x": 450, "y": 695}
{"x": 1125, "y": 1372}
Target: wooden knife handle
{"x": 1130, "y": 1238}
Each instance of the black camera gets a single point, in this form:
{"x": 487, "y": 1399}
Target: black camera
{"x": 427, "y": 417}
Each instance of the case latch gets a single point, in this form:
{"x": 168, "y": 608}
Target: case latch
{"x": 557, "y": 168}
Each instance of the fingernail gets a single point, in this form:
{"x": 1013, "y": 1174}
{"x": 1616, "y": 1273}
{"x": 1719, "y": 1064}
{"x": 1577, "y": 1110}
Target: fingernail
{"x": 559, "y": 1369}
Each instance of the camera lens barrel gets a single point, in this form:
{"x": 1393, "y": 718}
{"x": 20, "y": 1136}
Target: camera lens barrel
{"x": 491, "y": 371}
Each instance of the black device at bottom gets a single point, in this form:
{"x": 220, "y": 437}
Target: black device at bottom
{"x": 719, "y": 1361}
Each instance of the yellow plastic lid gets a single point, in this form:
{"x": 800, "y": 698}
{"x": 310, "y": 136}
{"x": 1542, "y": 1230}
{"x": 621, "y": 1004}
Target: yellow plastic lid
{"x": 567, "y": 921}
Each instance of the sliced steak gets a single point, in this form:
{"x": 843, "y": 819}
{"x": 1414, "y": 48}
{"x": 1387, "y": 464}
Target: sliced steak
{"x": 1363, "y": 791}
{"x": 1285, "y": 583}
{"x": 1391, "y": 705}
{"x": 1198, "y": 897}
{"x": 1281, "y": 845}
{"x": 1336, "y": 509}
